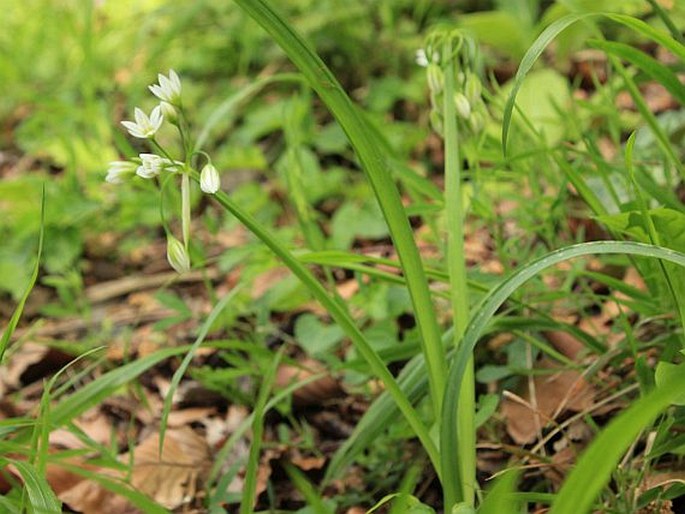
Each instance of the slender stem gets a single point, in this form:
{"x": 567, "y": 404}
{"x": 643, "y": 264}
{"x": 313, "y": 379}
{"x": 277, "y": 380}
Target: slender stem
{"x": 456, "y": 267}
{"x": 341, "y": 317}
{"x": 377, "y": 168}
{"x": 185, "y": 208}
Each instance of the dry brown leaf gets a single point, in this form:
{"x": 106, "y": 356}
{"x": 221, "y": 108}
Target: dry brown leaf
{"x": 172, "y": 479}
{"x": 183, "y": 417}
{"x": 554, "y": 393}
{"x": 93, "y": 423}
{"x": 306, "y": 462}
{"x": 313, "y": 393}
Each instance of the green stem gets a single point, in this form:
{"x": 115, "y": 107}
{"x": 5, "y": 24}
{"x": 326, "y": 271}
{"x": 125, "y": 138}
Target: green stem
{"x": 341, "y": 317}
{"x": 377, "y": 168}
{"x": 456, "y": 266}
{"x": 185, "y": 208}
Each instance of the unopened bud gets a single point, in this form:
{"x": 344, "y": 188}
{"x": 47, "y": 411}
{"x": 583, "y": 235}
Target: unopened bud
{"x": 463, "y": 106}
{"x": 176, "y": 255}
{"x": 169, "y": 112}
{"x": 436, "y": 79}
{"x": 473, "y": 87}
{"x": 209, "y": 179}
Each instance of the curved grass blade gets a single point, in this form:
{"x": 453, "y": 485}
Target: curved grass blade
{"x": 527, "y": 63}
{"x": 42, "y": 499}
{"x": 659, "y": 37}
{"x": 482, "y": 316}
{"x": 94, "y": 392}
{"x": 16, "y": 315}
{"x": 647, "y": 64}
{"x": 340, "y": 316}
{"x": 595, "y": 466}
{"x": 377, "y": 168}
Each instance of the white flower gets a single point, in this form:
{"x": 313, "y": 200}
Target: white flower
{"x": 145, "y": 127}
{"x": 421, "y": 58}
{"x": 150, "y": 165}
{"x": 176, "y": 254}
{"x": 209, "y": 179}
{"x": 169, "y": 89}
{"x": 119, "y": 171}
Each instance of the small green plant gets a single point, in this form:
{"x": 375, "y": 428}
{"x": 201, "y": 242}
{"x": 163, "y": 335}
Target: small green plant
{"x": 442, "y": 373}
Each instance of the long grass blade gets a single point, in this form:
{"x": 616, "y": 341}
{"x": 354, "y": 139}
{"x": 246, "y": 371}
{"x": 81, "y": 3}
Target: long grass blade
{"x": 16, "y": 315}
{"x": 487, "y": 309}
{"x": 377, "y": 169}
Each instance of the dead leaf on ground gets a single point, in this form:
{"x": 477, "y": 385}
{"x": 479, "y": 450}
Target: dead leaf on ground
{"x": 170, "y": 480}
{"x": 314, "y": 393}
{"x": 554, "y": 393}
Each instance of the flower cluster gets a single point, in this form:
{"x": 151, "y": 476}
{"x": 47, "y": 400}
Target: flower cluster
{"x": 152, "y": 165}
{"x": 468, "y": 101}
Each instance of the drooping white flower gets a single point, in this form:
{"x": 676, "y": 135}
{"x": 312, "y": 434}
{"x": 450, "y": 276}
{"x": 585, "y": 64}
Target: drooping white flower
{"x": 176, "y": 255}
{"x": 145, "y": 127}
{"x": 421, "y": 58}
{"x": 209, "y": 179}
{"x": 168, "y": 89}
{"x": 119, "y": 171}
{"x": 150, "y": 165}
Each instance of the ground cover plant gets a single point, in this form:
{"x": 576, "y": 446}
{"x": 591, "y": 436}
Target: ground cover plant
{"x": 314, "y": 256}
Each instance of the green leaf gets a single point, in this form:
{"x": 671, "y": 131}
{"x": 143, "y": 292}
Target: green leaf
{"x": 314, "y": 337}
{"x": 666, "y": 371}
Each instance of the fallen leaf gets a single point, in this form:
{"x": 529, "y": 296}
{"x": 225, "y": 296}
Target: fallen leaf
{"x": 554, "y": 393}
{"x": 314, "y": 393}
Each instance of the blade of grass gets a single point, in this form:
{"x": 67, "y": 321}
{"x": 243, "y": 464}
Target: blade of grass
{"x": 456, "y": 267}
{"x": 259, "y": 411}
{"x": 486, "y": 310}
{"x": 595, "y": 466}
{"x": 314, "y": 501}
{"x": 644, "y": 62}
{"x": 377, "y": 169}
{"x": 41, "y": 498}
{"x": 500, "y": 498}
{"x": 178, "y": 374}
{"x": 340, "y": 315}
{"x": 16, "y": 315}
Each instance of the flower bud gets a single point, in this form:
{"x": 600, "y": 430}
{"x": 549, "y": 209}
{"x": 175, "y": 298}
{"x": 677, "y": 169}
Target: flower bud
{"x": 463, "y": 106}
{"x": 119, "y": 171}
{"x": 436, "y": 79}
{"x": 169, "y": 112}
{"x": 176, "y": 255}
{"x": 209, "y": 179}
{"x": 473, "y": 87}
